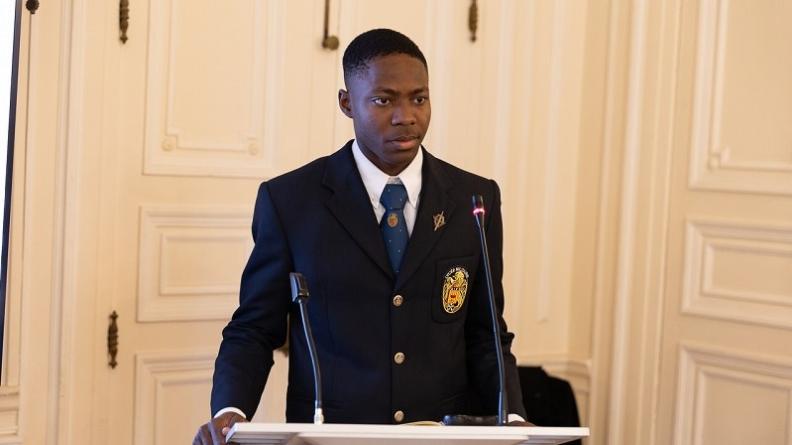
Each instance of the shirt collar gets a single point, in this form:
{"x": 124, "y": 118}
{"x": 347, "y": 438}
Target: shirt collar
{"x": 375, "y": 179}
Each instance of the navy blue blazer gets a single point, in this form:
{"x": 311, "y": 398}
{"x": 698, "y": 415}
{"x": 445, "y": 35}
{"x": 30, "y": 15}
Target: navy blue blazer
{"x": 318, "y": 220}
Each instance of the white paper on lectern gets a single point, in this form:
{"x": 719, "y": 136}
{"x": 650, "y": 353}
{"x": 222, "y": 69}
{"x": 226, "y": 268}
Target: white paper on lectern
{"x": 346, "y": 434}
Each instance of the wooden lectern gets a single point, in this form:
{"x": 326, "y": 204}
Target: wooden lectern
{"x": 344, "y": 434}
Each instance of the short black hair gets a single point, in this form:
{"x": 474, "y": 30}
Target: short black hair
{"x": 376, "y": 43}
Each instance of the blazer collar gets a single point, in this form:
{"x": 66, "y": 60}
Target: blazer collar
{"x": 435, "y": 209}
{"x": 350, "y": 204}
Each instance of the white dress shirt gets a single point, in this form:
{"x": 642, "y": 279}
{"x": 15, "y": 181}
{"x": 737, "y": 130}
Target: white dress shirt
{"x": 375, "y": 180}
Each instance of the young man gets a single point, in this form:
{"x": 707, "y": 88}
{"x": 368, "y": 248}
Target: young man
{"x": 384, "y": 234}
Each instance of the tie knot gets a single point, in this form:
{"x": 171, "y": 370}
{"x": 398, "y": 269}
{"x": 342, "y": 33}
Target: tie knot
{"x": 394, "y": 196}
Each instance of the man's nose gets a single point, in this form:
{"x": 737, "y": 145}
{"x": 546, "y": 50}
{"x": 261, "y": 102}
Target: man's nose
{"x": 403, "y": 115}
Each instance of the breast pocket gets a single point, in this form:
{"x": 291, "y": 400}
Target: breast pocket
{"x": 453, "y": 287}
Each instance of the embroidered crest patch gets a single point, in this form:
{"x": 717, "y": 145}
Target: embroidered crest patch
{"x": 455, "y": 284}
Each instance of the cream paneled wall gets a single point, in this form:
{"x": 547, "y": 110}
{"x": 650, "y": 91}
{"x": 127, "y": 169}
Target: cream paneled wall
{"x": 641, "y": 147}
{"x": 691, "y": 341}
{"x": 162, "y": 142}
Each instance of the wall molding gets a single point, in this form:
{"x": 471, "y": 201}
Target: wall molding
{"x": 161, "y": 297}
{"x": 698, "y": 362}
{"x": 9, "y": 412}
{"x": 633, "y": 320}
{"x": 619, "y": 27}
{"x": 711, "y": 162}
{"x": 703, "y": 296}
{"x": 155, "y": 372}
{"x": 172, "y": 150}
{"x": 627, "y": 242}
{"x": 64, "y": 298}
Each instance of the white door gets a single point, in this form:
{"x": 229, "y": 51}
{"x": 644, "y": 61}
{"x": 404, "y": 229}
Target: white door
{"x": 726, "y": 360}
{"x": 704, "y": 316}
{"x": 205, "y": 100}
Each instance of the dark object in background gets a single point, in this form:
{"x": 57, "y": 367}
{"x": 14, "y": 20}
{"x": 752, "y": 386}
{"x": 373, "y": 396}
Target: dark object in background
{"x": 548, "y": 400}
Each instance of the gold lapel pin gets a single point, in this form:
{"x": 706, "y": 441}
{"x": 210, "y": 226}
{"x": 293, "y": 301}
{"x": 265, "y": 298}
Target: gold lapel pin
{"x": 439, "y": 220}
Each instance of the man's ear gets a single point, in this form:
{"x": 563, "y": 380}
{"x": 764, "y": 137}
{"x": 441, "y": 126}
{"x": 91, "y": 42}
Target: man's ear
{"x": 343, "y": 102}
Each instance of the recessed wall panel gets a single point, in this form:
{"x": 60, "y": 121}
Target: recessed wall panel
{"x": 211, "y": 75}
{"x": 191, "y": 260}
{"x": 739, "y": 271}
{"x": 729, "y": 400}
{"x": 727, "y": 396}
{"x": 171, "y": 395}
{"x": 742, "y": 99}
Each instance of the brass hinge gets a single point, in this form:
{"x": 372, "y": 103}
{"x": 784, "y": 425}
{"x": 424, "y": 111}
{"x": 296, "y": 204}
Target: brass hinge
{"x": 473, "y": 20}
{"x": 328, "y": 42}
{"x": 123, "y": 20}
{"x": 112, "y": 340}
{"x": 32, "y": 5}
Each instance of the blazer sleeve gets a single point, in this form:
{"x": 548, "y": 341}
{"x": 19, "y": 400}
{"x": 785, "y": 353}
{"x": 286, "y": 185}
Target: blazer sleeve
{"x": 259, "y": 324}
{"x": 482, "y": 360}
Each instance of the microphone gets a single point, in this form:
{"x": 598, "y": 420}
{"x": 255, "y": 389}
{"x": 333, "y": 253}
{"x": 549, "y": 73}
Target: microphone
{"x": 478, "y": 214}
{"x": 300, "y": 294}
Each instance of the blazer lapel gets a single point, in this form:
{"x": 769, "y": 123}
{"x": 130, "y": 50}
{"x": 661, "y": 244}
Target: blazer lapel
{"x": 435, "y": 202}
{"x": 350, "y": 204}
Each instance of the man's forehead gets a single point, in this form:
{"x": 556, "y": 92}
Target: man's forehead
{"x": 393, "y": 73}
{"x": 384, "y": 86}
{"x": 390, "y": 64}
{"x": 394, "y": 58}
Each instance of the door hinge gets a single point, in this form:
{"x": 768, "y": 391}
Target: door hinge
{"x": 123, "y": 20}
{"x": 112, "y": 340}
{"x": 328, "y": 42}
{"x": 32, "y": 6}
{"x": 473, "y": 20}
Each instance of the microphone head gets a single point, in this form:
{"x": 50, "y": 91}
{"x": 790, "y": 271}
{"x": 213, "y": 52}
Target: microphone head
{"x": 478, "y": 205}
{"x": 299, "y": 286}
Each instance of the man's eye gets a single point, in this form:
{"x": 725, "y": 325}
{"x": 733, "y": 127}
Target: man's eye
{"x": 421, "y": 100}
{"x": 381, "y": 101}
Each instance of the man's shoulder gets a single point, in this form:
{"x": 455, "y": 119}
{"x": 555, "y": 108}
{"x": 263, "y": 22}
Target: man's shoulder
{"x": 311, "y": 173}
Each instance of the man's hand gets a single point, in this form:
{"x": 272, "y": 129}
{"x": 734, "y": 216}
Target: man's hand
{"x": 214, "y": 431}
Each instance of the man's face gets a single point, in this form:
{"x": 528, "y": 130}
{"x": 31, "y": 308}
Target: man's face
{"x": 389, "y": 106}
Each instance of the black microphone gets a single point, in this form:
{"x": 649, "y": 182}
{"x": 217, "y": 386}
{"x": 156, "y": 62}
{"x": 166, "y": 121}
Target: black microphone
{"x": 300, "y": 294}
{"x": 478, "y": 214}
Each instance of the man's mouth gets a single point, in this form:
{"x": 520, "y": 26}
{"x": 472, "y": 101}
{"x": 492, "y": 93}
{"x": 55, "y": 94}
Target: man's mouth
{"x": 407, "y": 138}
{"x": 405, "y": 142}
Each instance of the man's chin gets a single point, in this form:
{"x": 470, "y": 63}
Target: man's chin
{"x": 404, "y": 153}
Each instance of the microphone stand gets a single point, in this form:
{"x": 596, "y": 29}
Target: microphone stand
{"x": 300, "y": 294}
{"x": 478, "y": 214}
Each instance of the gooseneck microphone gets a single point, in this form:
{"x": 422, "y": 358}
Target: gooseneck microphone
{"x": 300, "y": 294}
{"x": 478, "y": 214}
